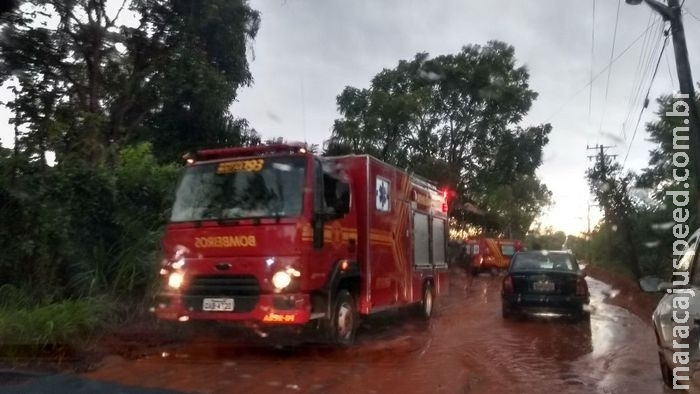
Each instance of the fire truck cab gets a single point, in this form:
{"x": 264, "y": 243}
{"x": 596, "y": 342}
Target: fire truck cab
{"x": 273, "y": 236}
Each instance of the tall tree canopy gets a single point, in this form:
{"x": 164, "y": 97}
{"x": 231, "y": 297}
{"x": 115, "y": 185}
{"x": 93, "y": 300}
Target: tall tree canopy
{"x": 659, "y": 174}
{"x": 93, "y": 75}
{"x": 455, "y": 119}
{"x": 636, "y": 231}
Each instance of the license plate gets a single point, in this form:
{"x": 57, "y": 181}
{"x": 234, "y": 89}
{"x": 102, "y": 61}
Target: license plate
{"x": 217, "y": 304}
{"x": 543, "y": 286}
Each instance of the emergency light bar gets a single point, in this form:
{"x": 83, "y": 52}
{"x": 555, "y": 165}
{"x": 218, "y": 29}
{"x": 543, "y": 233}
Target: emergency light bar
{"x": 222, "y": 153}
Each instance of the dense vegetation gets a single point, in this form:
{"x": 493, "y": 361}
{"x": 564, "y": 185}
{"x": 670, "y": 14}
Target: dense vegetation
{"x": 635, "y": 236}
{"x": 118, "y": 95}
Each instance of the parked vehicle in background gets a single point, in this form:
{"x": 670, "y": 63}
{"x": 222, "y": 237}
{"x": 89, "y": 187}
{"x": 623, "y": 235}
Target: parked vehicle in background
{"x": 677, "y": 317}
{"x": 275, "y": 237}
{"x": 544, "y": 282}
{"x": 485, "y": 254}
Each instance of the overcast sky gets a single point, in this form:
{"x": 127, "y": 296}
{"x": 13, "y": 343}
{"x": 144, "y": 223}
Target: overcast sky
{"x": 307, "y": 51}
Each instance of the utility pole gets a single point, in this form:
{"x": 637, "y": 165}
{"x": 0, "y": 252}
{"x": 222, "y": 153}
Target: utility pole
{"x": 602, "y": 155}
{"x": 672, "y": 13}
{"x": 588, "y": 233}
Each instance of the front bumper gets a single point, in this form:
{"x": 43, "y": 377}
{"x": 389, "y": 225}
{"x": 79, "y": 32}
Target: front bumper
{"x": 275, "y": 309}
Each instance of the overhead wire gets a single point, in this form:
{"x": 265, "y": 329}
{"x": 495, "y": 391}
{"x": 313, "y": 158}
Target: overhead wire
{"x": 646, "y": 61}
{"x": 612, "y": 53}
{"x": 637, "y": 73}
{"x": 590, "y": 92}
{"x": 649, "y": 68}
{"x": 600, "y": 73}
{"x": 670, "y": 73}
{"x": 645, "y": 67}
{"x": 646, "y": 99}
{"x": 687, "y": 11}
{"x": 612, "y": 50}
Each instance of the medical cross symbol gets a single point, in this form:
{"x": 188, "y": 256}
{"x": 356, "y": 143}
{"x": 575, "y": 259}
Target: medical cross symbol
{"x": 382, "y": 195}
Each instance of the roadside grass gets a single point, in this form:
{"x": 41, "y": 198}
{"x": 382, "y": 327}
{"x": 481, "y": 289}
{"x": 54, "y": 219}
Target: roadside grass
{"x": 26, "y": 328}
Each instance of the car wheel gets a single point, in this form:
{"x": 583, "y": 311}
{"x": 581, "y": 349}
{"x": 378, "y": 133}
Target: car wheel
{"x": 666, "y": 371}
{"x": 475, "y": 271}
{"x": 344, "y": 321}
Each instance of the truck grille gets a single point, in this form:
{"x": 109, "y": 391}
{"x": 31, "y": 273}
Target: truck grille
{"x": 244, "y": 289}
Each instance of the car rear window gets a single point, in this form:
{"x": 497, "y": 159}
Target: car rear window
{"x": 544, "y": 262}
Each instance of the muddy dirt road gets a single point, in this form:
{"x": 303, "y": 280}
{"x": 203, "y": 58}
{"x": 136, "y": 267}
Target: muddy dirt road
{"x": 466, "y": 348}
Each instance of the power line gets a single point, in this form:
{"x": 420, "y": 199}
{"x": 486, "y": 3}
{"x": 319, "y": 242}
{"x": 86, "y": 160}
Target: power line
{"x": 670, "y": 73}
{"x": 646, "y": 99}
{"x": 590, "y": 93}
{"x": 687, "y": 11}
{"x": 596, "y": 76}
{"x": 646, "y": 70}
{"x": 612, "y": 53}
{"x": 637, "y": 74}
{"x": 612, "y": 50}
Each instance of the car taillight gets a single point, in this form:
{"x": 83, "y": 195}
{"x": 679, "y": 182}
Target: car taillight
{"x": 508, "y": 285}
{"x": 581, "y": 287}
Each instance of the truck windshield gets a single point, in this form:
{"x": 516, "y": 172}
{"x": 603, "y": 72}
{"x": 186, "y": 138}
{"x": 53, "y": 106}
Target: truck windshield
{"x": 248, "y": 188}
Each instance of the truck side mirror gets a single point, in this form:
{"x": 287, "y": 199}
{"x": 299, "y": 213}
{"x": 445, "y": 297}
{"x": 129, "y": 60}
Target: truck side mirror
{"x": 653, "y": 284}
{"x": 318, "y": 235}
{"x": 342, "y": 201}
{"x": 338, "y": 200}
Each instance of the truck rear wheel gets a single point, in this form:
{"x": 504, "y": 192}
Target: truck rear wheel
{"x": 427, "y": 302}
{"x": 344, "y": 320}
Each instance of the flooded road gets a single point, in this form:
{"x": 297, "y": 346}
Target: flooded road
{"x": 466, "y": 348}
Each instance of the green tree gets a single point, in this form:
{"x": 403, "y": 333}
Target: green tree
{"x": 547, "y": 239}
{"x": 658, "y": 176}
{"x": 611, "y": 188}
{"x": 635, "y": 236}
{"x": 88, "y": 83}
{"x": 454, "y": 119}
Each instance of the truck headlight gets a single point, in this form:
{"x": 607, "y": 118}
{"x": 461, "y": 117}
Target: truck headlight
{"x": 281, "y": 279}
{"x": 175, "y": 280}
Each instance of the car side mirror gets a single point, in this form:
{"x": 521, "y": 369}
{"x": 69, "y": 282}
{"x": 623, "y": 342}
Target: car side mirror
{"x": 654, "y": 284}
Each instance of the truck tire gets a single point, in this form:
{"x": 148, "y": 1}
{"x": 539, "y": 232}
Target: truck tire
{"x": 344, "y": 320}
{"x": 427, "y": 302}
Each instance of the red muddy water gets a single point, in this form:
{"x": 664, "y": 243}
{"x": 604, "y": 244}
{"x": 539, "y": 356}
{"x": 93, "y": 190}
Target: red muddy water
{"x": 466, "y": 348}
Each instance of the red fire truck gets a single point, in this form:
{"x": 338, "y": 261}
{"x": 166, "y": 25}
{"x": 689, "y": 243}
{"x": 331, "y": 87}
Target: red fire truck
{"x": 483, "y": 254}
{"x": 272, "y": 236}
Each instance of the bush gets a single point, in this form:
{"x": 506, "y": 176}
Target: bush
{"x": 73, "y": 231}
{"x": 68, "y": 322}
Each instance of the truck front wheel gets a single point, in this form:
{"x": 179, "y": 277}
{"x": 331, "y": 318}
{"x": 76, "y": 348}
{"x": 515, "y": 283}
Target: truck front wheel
{"x": 344, "y": 320}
